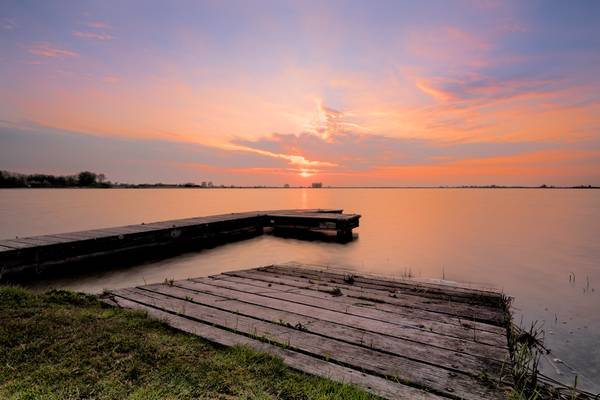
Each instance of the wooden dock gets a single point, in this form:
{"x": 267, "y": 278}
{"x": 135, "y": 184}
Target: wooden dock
{"x": 399, "y": 339}
{"x": 35, "y": 254}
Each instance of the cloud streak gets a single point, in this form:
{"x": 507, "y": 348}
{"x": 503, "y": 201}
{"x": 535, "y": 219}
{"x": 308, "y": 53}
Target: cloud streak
{"x": 93, "y": 35}
{"x": 7, "y": 24}
{"x": 50, "y": 51}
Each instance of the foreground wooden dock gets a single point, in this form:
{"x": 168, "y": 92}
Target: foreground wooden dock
{"x": 27, "y": 254}
{"x": 400, "y": 339}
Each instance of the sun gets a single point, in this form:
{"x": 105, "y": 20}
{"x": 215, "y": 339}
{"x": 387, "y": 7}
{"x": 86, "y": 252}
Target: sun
{"x": 305, "y": 173}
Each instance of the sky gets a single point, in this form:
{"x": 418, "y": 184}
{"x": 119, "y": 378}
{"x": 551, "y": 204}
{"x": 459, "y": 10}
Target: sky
{"x": 348, "y": 93}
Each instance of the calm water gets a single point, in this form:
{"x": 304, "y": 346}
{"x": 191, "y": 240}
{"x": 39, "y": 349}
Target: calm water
{"x": 526, "y": 242}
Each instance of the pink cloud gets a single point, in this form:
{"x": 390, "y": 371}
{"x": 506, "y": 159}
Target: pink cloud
{"x": 98, "y": 25}
{"x": 48, "y": 50}
{"x": 93, "y": 35}
{"x": 475, "y": 86}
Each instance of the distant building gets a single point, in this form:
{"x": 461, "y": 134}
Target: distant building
{"x": 317, "y": 185}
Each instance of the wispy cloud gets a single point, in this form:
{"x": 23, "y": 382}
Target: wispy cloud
{"x": 7, "y": 24}
{"x": 51, "y": 51}
{"x": 475, "y": 86}
{"x": 293, "y": 159}
{"x": 93, "y": 35}
{"x": 97, "y": 25}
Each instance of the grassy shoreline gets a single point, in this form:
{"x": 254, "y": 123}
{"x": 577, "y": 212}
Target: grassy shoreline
{"x": 65, "y": 345}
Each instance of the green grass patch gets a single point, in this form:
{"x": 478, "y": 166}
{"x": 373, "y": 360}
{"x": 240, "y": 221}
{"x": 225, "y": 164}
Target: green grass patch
{"x": 65, "y": 345}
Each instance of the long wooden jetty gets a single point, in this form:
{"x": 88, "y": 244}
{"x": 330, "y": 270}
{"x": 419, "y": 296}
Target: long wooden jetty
{"x": 37, "y": 253}
{"x": 397, "y": 338}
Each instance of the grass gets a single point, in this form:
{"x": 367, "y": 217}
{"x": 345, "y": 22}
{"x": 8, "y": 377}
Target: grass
{"x": 65, "y": 345}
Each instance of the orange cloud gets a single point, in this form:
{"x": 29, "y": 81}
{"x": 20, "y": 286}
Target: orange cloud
{"x": 427, "y": 88}
{"x": 528, "y": 168}
{"x": 48, "y": 50}
{"x": 293, "y": 159}
{"x": 93, "y": 35}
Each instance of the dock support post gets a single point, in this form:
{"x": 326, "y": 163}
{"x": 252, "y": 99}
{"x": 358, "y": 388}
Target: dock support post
{"x": 344, "y": 235}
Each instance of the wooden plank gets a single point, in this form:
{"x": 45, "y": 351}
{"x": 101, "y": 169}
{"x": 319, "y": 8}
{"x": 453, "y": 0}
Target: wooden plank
{"x": 202, "y": 221}
{"x": 387, "y": 284}
{"x": 438, "y": 380}
{"x": 51, "y": 239}
{"x": 318, "y": 216}
{"x": 279, "y": 301}
{"x": 307, "y": 211}
{"x": 68, "y": 237}
{"x": 82, "y": 235}
{"x": 461, "y": 305}
{"x": 248, "y": 305}
{"x": 435, "y": 322}
{"x": 301, "y": 362}
{"x": 41, "y": 240}
{"x": 109, "y": 232}
{"x": 460, "y": 310}
{"x": 447, "y": 286}
{"x": 421, "y": 289}
{"x": 129, "y": 229}
{"x": 16, "y": 244}
{"x": 140, "y": 228}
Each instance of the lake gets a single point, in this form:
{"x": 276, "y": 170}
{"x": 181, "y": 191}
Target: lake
{"x": 541, "y": 246}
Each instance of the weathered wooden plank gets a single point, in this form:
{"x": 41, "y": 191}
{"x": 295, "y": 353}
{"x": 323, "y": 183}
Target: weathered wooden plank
{"x": 109, "y": 232}
{"x": 16, "y": 244}
{"x": 51, "y": 239}
{"x": 319, "y": 216}
{"x": 208, "y": 221}
{"x": 129, "y": 229}
{"x": 244, "y": 304}
{"x": 40, "y": 240}
{"x": 417, "y": 288}
{"x": 307, "y": 211}
{"x": 379, "y": 386}
{"x": 275, "y": 300}
{"x": 461, "y": 310}
{"x": 384, "y": 365}
{"x": 447, "y": 286}
{"x": 377, "y": 310}
{"x": 464, "y": 307}
{"x": 81, "y": 235}
{"x": 70, "y": 237}
{"x": 140, "y": 228}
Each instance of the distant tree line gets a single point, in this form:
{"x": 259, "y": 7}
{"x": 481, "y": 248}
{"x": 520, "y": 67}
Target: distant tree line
{"x": 83, "y": 179}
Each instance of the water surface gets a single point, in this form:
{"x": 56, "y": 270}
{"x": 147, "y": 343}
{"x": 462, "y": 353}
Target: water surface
{"x": 524, "y": 241}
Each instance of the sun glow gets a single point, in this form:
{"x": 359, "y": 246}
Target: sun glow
{"x": 305, "y": 173}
